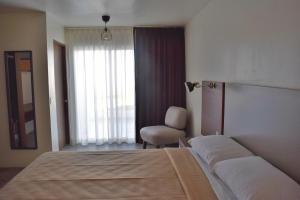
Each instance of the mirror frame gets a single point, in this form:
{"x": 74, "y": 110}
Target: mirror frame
{"x": 11, "y": 132}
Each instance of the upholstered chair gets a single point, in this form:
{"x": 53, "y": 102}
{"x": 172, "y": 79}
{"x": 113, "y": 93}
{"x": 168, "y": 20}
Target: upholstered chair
{"x": 175, "y": 123}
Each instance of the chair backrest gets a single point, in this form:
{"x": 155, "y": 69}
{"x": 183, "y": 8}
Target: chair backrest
{"x": 176, "y": 117}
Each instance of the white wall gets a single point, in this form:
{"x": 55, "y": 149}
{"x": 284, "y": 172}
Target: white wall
{"x": 25, "y": 31}
{"x": 55, "y": 31}
{"x": 256, "y": 41}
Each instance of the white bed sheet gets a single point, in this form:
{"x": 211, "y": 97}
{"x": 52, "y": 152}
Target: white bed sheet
{"x": 221, "y": 190}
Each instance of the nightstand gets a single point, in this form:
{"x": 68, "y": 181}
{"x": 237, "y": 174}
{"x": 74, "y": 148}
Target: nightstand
{"x": 183, "y": 142}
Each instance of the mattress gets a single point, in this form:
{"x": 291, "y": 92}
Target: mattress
{"x": 120, "y": 175}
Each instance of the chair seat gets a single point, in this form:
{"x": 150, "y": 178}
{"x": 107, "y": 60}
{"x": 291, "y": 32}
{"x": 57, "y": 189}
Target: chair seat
{"x": 159, "y": 135}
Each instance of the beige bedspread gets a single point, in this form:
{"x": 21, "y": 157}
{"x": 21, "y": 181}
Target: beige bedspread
{"x": 119, "y": 175}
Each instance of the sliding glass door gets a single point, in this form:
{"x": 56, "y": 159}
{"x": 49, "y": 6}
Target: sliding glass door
{"x": 102, "y": 86}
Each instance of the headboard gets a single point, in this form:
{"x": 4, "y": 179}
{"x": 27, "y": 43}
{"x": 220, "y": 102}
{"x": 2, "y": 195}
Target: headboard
{"x": 266, "y": 121}
{"x": 212, "y": 120}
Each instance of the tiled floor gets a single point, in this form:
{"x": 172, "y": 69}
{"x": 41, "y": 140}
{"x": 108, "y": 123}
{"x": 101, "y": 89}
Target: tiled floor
{"x": 105, "y": 147}
{"x": 6, "y": 174}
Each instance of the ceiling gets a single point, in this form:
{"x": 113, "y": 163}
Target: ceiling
{"x": 123, "y": 12}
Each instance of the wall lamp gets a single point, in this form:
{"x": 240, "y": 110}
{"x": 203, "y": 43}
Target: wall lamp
{"x": 191, "y": 86}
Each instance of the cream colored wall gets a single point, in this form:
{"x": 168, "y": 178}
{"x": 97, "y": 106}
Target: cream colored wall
{"x": 253, "y": 41}
{"x": 25, "y": 31}
{"x": 55, "y": 31}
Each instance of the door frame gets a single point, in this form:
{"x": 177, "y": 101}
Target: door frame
{"x": 64, "y": 89}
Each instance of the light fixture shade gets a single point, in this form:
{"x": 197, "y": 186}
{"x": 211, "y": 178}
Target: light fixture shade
{"x": 191, "y": 86}
{"x": 106, "y": 35}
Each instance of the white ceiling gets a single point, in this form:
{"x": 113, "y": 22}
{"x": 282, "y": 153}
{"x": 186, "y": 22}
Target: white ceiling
{"x": 123, "y": 12}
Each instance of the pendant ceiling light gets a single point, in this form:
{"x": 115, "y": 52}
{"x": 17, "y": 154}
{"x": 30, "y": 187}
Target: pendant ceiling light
{"x": 106, "y": 34}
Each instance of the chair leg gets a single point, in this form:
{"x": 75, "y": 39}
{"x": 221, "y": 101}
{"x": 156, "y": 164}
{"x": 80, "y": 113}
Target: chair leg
{"x": 144, "y": 145}
{"x": 157, "y": 146}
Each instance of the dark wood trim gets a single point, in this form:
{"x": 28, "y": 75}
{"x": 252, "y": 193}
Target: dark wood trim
{"x": 9, "y": 101}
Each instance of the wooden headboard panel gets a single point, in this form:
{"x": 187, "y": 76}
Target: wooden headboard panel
{"x": 267, "y": 122}
{"x": 212, "y": 116}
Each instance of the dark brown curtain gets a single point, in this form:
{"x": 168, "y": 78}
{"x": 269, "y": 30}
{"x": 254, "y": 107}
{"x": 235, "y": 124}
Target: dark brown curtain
{"x": 159, "y": 74}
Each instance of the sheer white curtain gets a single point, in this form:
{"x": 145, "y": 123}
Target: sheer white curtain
{"x": 101, "y": 86}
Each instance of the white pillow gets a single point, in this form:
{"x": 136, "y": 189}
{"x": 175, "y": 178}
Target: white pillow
{"x": 215, "y": 148}
{"x": 252, "y": 178}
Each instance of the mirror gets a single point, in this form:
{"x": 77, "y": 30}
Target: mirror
{"x": 20, "y": 99}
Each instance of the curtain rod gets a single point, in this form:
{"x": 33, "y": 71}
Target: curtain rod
{"x": 261, "y": 85}
{"x": 98, "y": 27}
{"x": 122, "y": 27}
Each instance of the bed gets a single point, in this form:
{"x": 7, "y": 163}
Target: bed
{"x": 137, "y": 174}
{"x": 166, "y": 174}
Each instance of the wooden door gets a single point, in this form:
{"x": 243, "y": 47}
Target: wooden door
{"x": 61, "y": 94}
